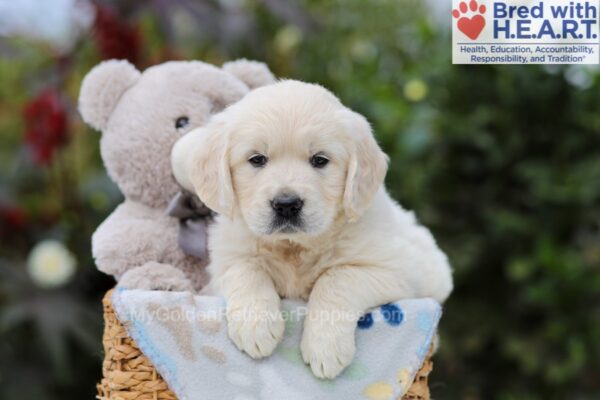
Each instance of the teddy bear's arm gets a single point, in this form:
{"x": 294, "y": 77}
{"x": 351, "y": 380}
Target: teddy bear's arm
{"x": 155, "y": 276}
{"x": 132, "y": 236}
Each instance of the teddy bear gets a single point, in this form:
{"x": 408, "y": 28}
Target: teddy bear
{"x": 140, "y": 116}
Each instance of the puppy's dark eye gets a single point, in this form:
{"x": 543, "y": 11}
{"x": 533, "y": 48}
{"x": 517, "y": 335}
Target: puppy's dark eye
{"x": 258, "y": 160}
{"x": 319, "y": 161}
{"x": 182, "y": 122}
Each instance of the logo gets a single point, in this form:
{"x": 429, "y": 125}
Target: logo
{"x": 525, "y": 31}
{"x": 473, "y": 26}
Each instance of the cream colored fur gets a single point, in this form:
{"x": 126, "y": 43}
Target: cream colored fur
{"x": 357, "y": 249}
{"x": 137, "y": 113}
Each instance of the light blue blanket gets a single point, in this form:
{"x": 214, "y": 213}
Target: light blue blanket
{"x": 185, "y": 337}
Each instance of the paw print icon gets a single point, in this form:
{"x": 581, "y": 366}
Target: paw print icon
{"x": 470, "y": 19}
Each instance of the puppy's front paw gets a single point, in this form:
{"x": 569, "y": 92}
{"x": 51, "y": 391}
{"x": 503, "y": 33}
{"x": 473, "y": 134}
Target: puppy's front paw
{"x": 328, "y": 347}
{"x": 257, "y": 328}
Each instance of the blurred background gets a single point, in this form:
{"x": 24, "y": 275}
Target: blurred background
{"x": 501, "y": 162}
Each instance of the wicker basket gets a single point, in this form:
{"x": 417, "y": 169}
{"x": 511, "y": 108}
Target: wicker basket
{"x": 129, "y": 375}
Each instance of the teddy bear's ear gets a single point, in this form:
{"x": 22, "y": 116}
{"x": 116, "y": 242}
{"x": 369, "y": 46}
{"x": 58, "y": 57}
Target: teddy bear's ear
{"x": 252, "y": 73}
{"x": 102, "y": 88}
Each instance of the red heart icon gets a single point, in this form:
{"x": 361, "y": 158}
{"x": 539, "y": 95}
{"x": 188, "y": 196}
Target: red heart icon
{"x": 471, "y": 27}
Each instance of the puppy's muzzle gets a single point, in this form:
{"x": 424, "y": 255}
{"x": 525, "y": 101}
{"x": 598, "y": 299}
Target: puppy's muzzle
{"x": 287, "y": 206}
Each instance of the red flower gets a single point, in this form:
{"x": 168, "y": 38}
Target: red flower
{"x": 12, "y": 219}
{"x": 45, "y": 125}
{"x": 115, "y": 37}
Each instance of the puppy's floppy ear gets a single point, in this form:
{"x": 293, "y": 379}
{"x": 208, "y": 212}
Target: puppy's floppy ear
{"x": 252, "y": 73}
{"x": 102, "y": 88}
{"x": 367, "y": 167}
{"x": 200, "y": 162}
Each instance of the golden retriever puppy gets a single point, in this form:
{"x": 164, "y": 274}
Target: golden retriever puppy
{"x": 297, "y": 180}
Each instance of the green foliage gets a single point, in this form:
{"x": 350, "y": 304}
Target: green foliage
{"x": 501, "y": 162}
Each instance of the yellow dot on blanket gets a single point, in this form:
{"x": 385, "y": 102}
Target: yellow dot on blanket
{"x": 378, "y": 391}
{"x": 403, "y": 378}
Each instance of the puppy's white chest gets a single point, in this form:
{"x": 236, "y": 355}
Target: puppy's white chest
{"x": 293, "y": 269}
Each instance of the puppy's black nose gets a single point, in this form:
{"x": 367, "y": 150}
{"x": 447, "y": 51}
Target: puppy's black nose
{"x": 287, "y": 206}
